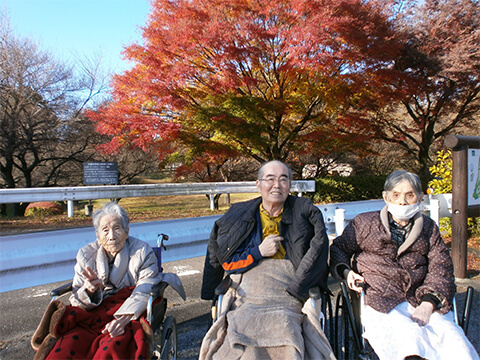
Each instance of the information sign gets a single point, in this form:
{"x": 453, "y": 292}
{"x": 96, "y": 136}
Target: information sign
{"x": 99, "y": 173}
{"x": 473, "y": 195}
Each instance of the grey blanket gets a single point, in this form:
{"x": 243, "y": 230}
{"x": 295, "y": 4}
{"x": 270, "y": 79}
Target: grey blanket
{"x": 260, "y": 320}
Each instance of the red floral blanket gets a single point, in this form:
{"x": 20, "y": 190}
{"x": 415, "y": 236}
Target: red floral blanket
{"x": 69, "y": 332}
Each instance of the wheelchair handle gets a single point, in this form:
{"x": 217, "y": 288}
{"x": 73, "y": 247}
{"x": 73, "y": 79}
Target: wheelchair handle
{"x": 160, "y": 239}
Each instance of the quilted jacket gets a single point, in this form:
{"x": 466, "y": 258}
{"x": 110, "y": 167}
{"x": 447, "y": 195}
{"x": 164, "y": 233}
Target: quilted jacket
{"x": 421, "y": 265}
{"x": 305, "y": 242}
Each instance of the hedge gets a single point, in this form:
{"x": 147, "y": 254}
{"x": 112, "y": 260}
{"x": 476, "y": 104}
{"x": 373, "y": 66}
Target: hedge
{"x": 347, "y": 189}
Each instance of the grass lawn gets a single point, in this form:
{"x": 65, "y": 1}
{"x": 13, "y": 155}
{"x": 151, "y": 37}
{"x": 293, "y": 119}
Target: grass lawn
{"x": 139, "y": 210}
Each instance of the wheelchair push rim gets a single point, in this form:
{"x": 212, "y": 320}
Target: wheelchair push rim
{"x": 166, "y": 340}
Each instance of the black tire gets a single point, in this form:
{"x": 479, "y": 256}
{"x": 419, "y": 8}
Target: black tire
{"x": 344, "y": 344}
{"x": 165, "y": 337}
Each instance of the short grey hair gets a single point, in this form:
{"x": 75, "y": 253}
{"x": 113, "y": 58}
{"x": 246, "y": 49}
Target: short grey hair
{"x": 111, "y": 208}
{"x": 400, "y": 175}
{"x": 260, "y": 171}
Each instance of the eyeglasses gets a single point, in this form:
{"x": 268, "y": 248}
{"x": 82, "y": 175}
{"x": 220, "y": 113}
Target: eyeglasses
{"x": 271, "y": 180}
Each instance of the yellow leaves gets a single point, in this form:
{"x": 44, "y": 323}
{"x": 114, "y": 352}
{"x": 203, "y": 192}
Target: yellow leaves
{"x": 442, "y": 172}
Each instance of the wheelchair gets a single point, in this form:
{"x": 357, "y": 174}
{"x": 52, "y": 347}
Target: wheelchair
{"x": 348, "y": 342}
{"x": 165, "y": 328}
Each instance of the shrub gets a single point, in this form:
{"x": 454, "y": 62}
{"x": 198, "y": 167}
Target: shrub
{"x": 43, "y": 208}
{"x": 347, "y": 189}
{"x": 442, "y": 173}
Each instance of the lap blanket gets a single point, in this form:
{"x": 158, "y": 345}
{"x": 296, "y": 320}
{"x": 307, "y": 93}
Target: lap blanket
{"x": 395, "y": 335}
{"x": 69, "y": 332}
{"x": 260, "y": 320}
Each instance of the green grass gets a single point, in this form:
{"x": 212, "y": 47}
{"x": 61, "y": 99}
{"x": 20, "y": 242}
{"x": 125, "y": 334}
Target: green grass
{"x": 169, "y": 207}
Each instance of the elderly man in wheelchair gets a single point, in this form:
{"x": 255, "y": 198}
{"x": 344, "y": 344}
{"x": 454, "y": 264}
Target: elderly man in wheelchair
{"x": 116, "y": 279}
{"x": 274, "y": 249}
{"x": 397, "y": 257}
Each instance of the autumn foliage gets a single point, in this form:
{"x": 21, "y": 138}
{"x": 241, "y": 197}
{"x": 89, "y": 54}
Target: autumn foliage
{"x": 437, "y": 78}
{"x": 263, "y": 79}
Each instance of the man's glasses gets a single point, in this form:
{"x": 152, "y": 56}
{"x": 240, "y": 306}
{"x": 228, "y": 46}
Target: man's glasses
{"x": 271, "y": 180}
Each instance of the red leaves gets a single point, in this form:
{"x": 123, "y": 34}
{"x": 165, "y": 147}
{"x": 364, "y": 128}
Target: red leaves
{"x": 249, "y": 76}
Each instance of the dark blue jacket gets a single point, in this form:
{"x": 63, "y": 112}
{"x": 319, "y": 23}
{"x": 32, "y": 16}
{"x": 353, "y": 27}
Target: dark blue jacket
{"x": 234, "y": 240}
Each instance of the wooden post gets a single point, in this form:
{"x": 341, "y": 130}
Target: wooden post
{"x": 460, "y": 209}
{"x": 459, "y": 212}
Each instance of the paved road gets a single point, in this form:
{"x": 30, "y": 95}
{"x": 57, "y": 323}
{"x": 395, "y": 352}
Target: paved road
{"x": 21, "y": 310}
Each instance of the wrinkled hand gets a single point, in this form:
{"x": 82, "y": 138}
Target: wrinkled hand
{"x": 421, "y": 314}
{"x": 353, "y": 279}
{"x": 92, "y": 282}
{"x": 116, "y": 327}
{"x": 270, "y": 245}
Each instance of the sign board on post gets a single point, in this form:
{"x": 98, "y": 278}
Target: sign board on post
{"x": 99, "y": 173}
{"x": 473, "y": 177}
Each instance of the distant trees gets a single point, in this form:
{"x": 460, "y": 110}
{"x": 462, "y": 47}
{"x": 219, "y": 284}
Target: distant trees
{"x": 44, "y": 137}
{"x": 41, "y": 127}
{"x": 438, "y": 81}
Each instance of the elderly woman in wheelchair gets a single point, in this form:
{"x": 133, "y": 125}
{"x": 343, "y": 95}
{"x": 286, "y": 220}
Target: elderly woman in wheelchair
{"x": 115, "y": 279}
{"x": 398, "y": 258}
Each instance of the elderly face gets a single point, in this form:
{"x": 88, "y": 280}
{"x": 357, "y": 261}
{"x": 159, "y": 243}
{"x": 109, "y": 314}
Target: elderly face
{"x": 111, "y": 234}
{"x": 402, "y": 194}
{"x": 274, "y": 186}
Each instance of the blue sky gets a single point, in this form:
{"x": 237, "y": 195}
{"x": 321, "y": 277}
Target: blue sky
{"x": 82, "y": 28}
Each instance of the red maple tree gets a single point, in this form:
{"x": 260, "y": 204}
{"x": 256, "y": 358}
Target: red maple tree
{"x": 262, "y": 79}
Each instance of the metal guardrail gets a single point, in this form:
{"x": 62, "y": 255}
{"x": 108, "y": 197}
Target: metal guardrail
{"x": 75, "y": 193}
{"x": 126, "y": 191}
{"x": 45, "y": 257}
{"x": 337, "y": 215}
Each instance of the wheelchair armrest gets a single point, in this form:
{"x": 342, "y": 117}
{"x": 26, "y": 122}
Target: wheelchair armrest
{"x": 61, "y": 290}
{"x": 314, "y": 293}
{"x": 222, "y": 288}
{"x": 158, "y": 289}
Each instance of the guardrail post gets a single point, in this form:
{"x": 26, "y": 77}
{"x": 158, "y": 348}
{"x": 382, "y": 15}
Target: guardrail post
{"x": 339, "y": 219}
{"x": 212, "y": 202}
{"x": 70, "y": 208}
{"x": 435, "y": 211}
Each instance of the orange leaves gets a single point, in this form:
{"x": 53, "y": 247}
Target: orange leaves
{"x": 220, "y": 77}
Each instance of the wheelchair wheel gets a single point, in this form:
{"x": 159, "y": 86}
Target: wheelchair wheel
{"x": 166, "y": 340}
{"x": 345, "y": 347}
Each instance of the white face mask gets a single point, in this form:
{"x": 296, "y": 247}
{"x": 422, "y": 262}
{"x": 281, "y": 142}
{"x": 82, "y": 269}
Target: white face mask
{"x": 403, "y": 212}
